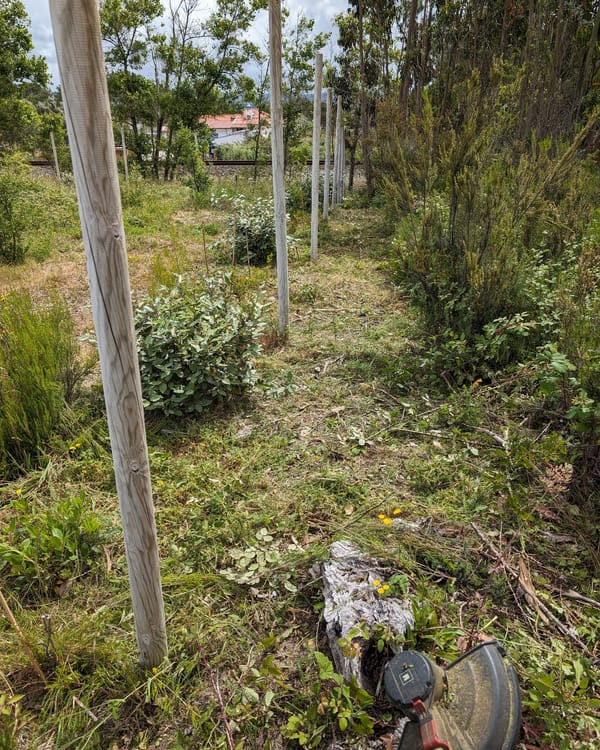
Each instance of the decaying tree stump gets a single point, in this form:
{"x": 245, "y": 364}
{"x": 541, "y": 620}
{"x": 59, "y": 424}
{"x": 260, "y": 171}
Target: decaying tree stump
{"x": 353, "y": 608}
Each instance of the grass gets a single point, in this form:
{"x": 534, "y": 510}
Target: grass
{"x": 343, "y": 438}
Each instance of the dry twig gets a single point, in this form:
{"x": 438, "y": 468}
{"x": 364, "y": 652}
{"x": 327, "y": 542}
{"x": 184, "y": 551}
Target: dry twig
{"x": 521, "y": 574}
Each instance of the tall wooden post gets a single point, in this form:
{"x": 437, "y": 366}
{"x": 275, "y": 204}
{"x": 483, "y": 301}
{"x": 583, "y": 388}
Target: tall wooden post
{"x": 78, "y": 42}
{"x": 55, "y": 155}
{"x": 339, "y": 130}
{"x": 316, "y": 151}
{"x": 278, "y": 164}
{"x": 327, "y": 154}
{"x": 337, "y": 156}
{"x": 124, "y": 148}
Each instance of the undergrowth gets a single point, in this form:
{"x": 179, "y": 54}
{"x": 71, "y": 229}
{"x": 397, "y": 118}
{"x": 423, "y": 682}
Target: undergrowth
{"x": 463, "y": 495}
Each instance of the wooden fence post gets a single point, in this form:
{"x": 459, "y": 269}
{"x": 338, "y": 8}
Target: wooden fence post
{"x": 339, "y": 150}
{"x": 316, "y": 151}
{"x": 124, "y": 147}
{"x": 327, "y": 154}
{"x": 55, "y": 155}
{"x": 337, "y": 156}
{"x": 278, "y": 164}
{"x": 76, "y": 26}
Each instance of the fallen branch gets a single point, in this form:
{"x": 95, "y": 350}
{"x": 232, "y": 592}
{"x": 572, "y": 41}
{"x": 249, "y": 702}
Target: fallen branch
{"x": 215, "y": 683}
{"x": 26, "y": 647}
{"x": 521, "y": 575}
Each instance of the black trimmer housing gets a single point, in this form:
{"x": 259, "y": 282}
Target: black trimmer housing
{"x": 472, "y": 704}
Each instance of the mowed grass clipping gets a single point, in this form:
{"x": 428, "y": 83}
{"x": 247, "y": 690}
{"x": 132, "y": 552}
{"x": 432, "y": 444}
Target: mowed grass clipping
{"x": 342, "y": 437}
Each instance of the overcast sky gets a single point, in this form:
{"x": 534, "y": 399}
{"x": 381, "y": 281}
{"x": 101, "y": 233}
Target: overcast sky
{"x": 322, "y": 11}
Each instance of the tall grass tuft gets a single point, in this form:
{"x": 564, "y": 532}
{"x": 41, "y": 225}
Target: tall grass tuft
{"x": 39, "y": 372}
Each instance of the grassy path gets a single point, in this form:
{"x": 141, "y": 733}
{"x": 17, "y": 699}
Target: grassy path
{"x": 343, "y": 438}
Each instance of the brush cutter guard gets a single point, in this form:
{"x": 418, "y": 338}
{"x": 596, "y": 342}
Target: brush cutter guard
{"x": 473, "y": 704}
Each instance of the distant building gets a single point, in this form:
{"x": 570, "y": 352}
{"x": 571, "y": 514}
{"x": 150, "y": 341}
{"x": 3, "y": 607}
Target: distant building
{"x": 237, "y": 127}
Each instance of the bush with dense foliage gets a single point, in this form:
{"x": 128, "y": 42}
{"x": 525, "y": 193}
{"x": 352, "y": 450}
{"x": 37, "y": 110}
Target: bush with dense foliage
{"x": 483, "y": 233}
{"x": 196, "y": 346}
{"x": 253, "y": 228}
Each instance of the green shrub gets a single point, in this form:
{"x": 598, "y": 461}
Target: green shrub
{"x": 39, "y": 373}
{"x": 43, "y": 547}
{"x": 483, "y": 234}
{"x": 253, "y": 228}
{"x": 18, "y": 201}
{"x": 196, "y": 346}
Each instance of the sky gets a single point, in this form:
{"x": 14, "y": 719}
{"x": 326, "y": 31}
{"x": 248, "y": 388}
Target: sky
{"x": 322, "y": 11}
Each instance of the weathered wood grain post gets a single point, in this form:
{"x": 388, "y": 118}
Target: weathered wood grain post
{"x": 327, "y": 154}
{"x": 55, "y": 155}
{"x": 278, "y": 164}
{"x": 316, "y": 151}
{"x": 335, "y": 196}
{"x": 124, "y": 148}
{"x": 81, "y": 63}
{"x": 339, "y": 151}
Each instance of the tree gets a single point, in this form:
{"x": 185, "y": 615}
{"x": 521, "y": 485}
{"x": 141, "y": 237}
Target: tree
{"x": 126, "y": 30}
{"x": 196, "y": 64}
{"x": 18, "y": 67}
{"x": 299, "y": 48}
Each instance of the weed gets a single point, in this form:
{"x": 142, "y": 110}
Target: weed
{"x": 337, "y": 706}
{"x": 39, "y": 372}
{"x": 43, "y": 549}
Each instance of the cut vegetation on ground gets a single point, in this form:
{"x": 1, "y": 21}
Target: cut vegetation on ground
{"x": 462, "y": 492}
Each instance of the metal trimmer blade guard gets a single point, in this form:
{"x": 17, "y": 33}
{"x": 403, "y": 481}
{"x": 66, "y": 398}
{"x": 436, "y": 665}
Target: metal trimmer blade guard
{"x": 473, "y": 704}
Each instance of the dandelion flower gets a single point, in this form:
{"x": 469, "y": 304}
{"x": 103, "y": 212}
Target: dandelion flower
{"x": 377, "y": 583}
{"x": 396, "y": 512}
{"x": 387, "y": 521}
{"x": 381, "y": 516}
{"x": 381, "y": 590}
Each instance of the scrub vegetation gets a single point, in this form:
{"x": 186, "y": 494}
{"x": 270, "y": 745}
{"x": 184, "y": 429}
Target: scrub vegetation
{"x": 465, "y": 491}
{"x": 436, "y": 399}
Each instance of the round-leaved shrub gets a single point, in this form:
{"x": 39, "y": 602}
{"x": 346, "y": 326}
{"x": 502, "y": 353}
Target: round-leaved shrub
{"x": 196, "y": 346}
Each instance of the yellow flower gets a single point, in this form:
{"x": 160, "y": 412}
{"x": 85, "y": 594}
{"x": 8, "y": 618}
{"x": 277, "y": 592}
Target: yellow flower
{"x": 377, "y": 583}
{"x": 154, "y": 670}
{"x": 381, "y": 516}
{"x": 396, "y": 512}
{"x": 387, "y": 521}
{"x": 385, "y": 587}
{"x": 19, "y": 491}
{"x": 476, "y": 383}
{"x": 381, "y": 590}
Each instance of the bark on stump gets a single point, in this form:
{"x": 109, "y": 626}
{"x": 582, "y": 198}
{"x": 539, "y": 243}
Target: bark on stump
{"x": 353, "y": 607}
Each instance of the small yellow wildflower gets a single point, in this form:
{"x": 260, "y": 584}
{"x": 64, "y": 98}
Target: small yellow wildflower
{"x": 154, "y": 670}
{"x": 396, "y": 512}
{"x": 387, "y": 521}
{"x": 476, "y": 383}
{"x": 377, "y": 583}
{"x": 381, "y": 590}
{"x": 381, "y": 516}
{"x": 19, "y": 491}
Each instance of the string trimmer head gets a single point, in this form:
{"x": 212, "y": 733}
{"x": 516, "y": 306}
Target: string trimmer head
{"x": 472, "y": 704}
